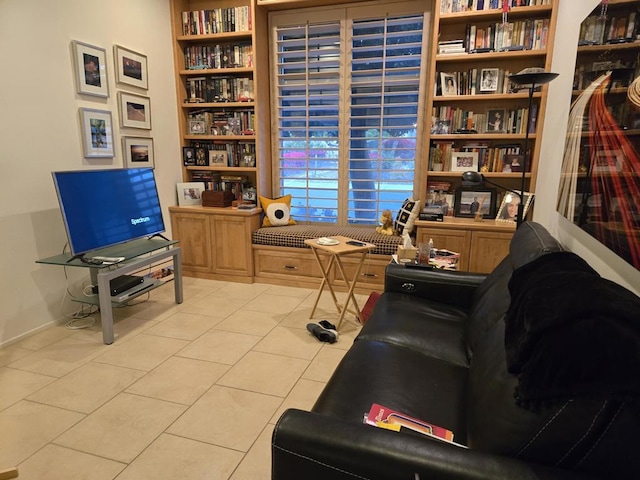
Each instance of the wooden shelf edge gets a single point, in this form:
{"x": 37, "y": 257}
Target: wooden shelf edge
{"x": 465, "y": 57}
{"x": 494, "y": 13}
{"x": 479, "y": 97}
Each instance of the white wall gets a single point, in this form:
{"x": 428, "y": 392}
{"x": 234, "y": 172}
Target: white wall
{"x": 607, "y": 263}
{"x": 40, "y": 133}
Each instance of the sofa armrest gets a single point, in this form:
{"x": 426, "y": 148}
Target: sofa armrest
{"x": 313, "y": 446}
{"x": 450, "y": 287}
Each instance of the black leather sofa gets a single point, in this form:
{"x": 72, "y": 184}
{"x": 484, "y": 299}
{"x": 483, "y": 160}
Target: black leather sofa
{"x": 534, "y": 367}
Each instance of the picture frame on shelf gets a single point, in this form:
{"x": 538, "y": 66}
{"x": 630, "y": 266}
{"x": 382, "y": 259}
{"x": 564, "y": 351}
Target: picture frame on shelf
{"x": 248, "y": 160}
{"x": 91, "y": 69}
{"x": 464, "y": 161}
{"x": 138, "y": 152}
{"x": 441, "y": 127}
{"x": 202, "y": 158}
{"x": 508, "y": 210}
{"x": 218, "y": 158}
{"x": 135, "y": 111}
{"x": 512, "y": 163}
{"x": 495, "y": 120}
{"x": 470, "y": 200}
{"x": 190, "y": 193}
{"x": 608, "y": 161}
{"x": 97, "y": 133}
{"x": 197, "y": 127}
{"x": 131, "y": 67}
{"x": 189, "y": 156}
{"x": 448, "y": 84}
{"x": 489, "y": 80}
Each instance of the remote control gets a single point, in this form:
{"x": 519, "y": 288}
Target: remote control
{"x": 355, "y": 243}
{"x": 109, "y": 259}
{"x": 91, "y": 261}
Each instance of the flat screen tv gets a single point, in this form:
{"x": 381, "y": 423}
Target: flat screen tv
{"x": 101, "y": 208}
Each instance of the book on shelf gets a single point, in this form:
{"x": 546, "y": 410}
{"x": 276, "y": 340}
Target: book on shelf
{"x": 217, "y": 20}
{"x": 384, "y": 417}
{"x": 218, "y": 56}
{"x": 455, "y": 6}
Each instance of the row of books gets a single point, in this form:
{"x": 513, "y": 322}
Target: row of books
{"x": 222, "y": 122}
{"x": 229, "y": 55}
{"x": 446, "y": 120}
{"x": 474, "y": 81}
{"x": 220, "y": 89}
{"x": 217, "y": 20}
{"x": 599, "y": 30}
{"x": 453, "y": 6}
{"x": 222, "y": 154}
{"x": 529, "y": 34}
{"x": 504, "y": 158}
{"x": 237, "y": 184}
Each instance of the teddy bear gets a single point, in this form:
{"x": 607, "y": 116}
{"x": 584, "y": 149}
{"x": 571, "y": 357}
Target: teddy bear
{"x": 387, "y": 223}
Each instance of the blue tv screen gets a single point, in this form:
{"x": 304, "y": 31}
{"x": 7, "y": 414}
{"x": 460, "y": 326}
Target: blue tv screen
{"x": 101, "y": 208}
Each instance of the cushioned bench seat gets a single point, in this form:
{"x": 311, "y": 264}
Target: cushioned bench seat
{"x": 295, "y": 235}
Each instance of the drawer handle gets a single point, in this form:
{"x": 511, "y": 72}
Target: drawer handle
{"x": 372, "y": 275}
{"x": 408, "y": 287}
{"x": 290, "y": 267}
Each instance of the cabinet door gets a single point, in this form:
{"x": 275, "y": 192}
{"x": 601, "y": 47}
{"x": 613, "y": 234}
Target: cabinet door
{"x": 487, "y": 250}
{"x": 232, "y": 244}
{"x": 458, "y": 241}
{"x": 192, "y": 230}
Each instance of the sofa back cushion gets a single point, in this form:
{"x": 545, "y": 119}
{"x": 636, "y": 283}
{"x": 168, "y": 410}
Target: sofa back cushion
{"x": 491, "y": 301}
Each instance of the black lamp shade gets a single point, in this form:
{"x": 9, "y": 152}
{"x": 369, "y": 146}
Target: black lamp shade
{"x": 534, "y": 78}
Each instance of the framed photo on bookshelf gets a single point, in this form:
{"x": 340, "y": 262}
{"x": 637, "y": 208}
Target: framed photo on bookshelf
{"x": 91, "y": 69}
{"x": 131, "y": 67}
{"x": 468, "y": 201}
{"x": 138, "y": 152}
{"x": 97, "y": 133}
{"x": 448, "y": 84}
{"x": 197, "y": 127}
{"x": 512, "y": 163}
{"x": 188, "y": 156}
{"x": 248, "y": 160}
{"x": 489, "y": 80}
{"x": 190, "y": 193}
{"x": 508, "y": 210}
{"x": 464, "y": 161}
{"x": 202, "y": 159}
{"x": 135, "y": 111}
{"x": 218, "y": 158}
{"x": 495, "y": 120}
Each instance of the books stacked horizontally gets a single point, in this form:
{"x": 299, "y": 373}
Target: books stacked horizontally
{"x": 451, "y": 47}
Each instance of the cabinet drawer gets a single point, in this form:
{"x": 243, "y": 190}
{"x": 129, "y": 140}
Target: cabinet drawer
{"x": 275, "y": 262}
{"x": 372, "y": 272}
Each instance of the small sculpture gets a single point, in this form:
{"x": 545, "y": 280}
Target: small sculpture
{"x": 387, "y": 223}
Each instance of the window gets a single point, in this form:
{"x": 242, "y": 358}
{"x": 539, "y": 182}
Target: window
{"x": 346, "y": 83}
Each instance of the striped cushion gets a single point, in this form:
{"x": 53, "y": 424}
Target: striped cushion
{"x": 295, "y": 235}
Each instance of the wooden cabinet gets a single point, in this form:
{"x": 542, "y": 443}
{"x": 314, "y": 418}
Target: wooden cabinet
{"x": 481, "y": 245}
{"x": 217, "y": 48}
{"x": 477, "y": 116}
{"x": 216, "y": 242}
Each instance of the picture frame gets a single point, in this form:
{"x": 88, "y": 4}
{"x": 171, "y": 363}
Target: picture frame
{"x": 138, "y": 152}
{"x": 496, "y": 120}
{"x": 218, "y": 158}
{"x": 131, "y": 67}
{"x": 469, "y": 200}
{"x": 189, "y": 156}
{"x": 197, "y": 127}
{"x": 91, "y": 69}
{"x": 97, "y": 133}
{"x": 190, "y": 193}
{"x": 135, "y": 111}
{"x": 464, "y": 161}
{"x": 202, "y": 159}
{"x": 448, "y": 84}
{"x": 489, "y": 80}
{"x": 508, "y": 210}
{"x": 512, "y": 163}
{"x": 608, "y": 161}
{"x": 248, "y": 160}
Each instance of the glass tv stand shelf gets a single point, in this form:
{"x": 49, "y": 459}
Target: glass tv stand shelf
{"x": 137, "y": 254}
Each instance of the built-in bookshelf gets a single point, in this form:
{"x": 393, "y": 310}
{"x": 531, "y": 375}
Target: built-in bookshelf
{"x": 474, "y": 107}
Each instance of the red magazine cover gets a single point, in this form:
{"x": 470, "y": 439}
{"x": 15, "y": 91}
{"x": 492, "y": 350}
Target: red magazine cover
{"x": 384, "y": 417}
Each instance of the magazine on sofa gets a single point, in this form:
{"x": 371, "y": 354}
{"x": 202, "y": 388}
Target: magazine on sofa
{"x": 384, "y": 417}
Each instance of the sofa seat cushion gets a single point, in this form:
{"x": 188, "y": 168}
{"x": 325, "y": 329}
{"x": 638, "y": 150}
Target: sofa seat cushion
{"x": 431, "y": 328}
{"x": 401, "y": 379}
{"x": 295, "y": 235}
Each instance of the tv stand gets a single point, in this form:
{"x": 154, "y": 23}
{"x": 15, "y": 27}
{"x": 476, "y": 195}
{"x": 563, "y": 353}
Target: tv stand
{"x": 138, "y": 254}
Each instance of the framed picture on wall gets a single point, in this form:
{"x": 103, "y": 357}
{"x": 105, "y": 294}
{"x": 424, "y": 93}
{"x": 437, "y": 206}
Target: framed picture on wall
{"x": 97, "y": 133}
{"x": 138, "y": 152}
{"x": 91, "y": 69}
{"x": 131, "y": 67}
{"x": 135, "y": 111}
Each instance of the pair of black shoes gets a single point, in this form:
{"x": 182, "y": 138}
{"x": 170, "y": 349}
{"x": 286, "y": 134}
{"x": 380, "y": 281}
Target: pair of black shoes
{"x": 323, "y": 331}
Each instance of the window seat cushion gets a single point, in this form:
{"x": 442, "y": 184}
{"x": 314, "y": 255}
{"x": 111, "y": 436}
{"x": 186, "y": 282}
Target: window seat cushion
{"x": 295, "y": 235}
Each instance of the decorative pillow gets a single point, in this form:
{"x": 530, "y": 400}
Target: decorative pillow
{"x": 407, "y": 216}
{"x": 277, "y": 211}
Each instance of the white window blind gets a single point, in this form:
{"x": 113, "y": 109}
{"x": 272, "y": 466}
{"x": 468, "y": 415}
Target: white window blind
{"x": 348, "y": 96}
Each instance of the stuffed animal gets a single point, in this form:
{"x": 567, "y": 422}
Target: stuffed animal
{"x": 387, "y": 223}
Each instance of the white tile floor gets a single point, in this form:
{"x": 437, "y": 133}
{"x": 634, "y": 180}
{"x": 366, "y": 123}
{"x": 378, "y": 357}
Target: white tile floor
{"x": 186, "y": 391}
